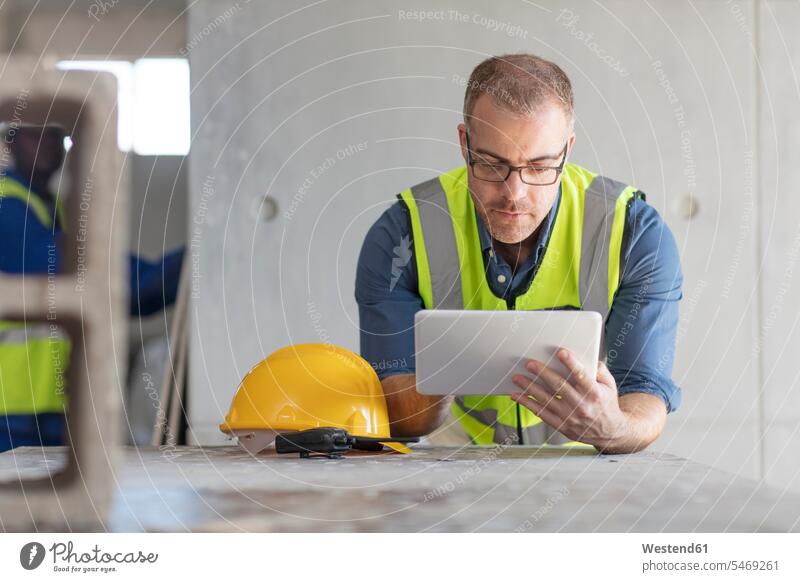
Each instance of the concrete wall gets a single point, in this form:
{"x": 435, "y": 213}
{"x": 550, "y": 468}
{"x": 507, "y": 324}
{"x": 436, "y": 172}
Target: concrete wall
{"x": 159, "y": 204}
{"x": 94, "y": 28}
{"x": 158, "y": 210}
{"x": 778, "y": 340}
{"x": 308, "y": 120}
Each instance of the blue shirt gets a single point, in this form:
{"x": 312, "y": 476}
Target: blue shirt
{"x": 640, "y": 329}
{"x": 29, "y": 247}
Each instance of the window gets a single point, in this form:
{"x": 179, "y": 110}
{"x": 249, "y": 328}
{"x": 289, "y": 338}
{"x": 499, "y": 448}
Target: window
{"x": 152, "y": 103}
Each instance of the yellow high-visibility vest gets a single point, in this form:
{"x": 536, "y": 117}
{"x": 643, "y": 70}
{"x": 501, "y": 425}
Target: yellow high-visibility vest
{"x": 33, "y": 357}
{"x": 580, "y": 270}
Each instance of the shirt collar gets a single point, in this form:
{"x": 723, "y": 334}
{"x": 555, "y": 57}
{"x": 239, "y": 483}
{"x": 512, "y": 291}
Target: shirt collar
{"x": 544, "y": 230}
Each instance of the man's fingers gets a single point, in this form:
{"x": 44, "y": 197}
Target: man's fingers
{"x": 554, "y": 381}
{"x": 543, "y": 395}
{"x": 543, "y": 412}
{"x": 578, "y": 375}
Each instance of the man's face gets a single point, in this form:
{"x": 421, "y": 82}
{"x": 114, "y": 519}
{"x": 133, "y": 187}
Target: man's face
{"x": 513, "y": 210}
{"x": 38, "y": 150}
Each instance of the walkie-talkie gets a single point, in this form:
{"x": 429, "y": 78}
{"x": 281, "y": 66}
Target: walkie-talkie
{"x": 330, "y": 442}
{"x": 326, "y": 441}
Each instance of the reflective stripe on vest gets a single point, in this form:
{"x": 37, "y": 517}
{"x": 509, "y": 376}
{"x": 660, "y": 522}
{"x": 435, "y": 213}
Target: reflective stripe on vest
{"x": 33, "y": 357}
{"x": 11, "y": 188}
{"x": 580, "y": 269}
{"x": 33, "y": 364}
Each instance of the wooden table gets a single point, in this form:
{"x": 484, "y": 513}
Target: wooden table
{"x": 434, "y": 489}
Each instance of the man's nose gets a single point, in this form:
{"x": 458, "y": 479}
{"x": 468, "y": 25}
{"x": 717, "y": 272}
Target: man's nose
{"x": 514, "y": 189}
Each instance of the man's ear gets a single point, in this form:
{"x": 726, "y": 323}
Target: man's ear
{"x": 571, "y": 141}
{"x": 462, "y": 140}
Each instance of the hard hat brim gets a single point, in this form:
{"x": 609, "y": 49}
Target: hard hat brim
{"x": 397, "y": 447}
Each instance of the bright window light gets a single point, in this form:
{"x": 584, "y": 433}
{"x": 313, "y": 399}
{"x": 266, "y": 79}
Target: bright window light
{"x": 161, "y": 106}
{"x": 152, "y": 103}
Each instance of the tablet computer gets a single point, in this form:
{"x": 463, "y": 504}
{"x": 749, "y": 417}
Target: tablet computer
{"x": 478, "y": 352}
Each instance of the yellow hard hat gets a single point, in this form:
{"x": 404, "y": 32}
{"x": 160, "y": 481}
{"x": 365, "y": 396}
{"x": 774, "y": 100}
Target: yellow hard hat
{"x": 307, "y": 386}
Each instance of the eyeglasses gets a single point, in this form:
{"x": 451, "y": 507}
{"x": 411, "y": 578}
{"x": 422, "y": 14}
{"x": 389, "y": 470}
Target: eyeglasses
{"x": 531, "y": 175}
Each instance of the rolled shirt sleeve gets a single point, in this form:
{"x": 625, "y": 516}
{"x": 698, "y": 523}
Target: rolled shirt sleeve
{"x": 642, "y": 325}
{"x": 387, "y": 294}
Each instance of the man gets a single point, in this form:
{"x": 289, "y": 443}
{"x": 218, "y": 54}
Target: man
{"x": 522, "y": 228}
{"x": 33, "y": 360}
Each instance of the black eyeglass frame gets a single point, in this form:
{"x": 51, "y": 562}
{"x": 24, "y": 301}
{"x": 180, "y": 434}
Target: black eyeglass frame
{"x": 560, "y": 168}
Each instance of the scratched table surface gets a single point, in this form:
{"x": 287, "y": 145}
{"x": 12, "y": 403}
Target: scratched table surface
{"x": 519, "y": 488}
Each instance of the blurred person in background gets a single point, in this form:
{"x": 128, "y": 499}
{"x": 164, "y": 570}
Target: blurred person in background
{"x": 33, "y": 358}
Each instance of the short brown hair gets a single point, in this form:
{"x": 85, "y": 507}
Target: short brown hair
{"x": 519, "y": 83}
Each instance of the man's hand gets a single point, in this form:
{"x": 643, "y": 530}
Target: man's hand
{"x": 585, "y": 407}
{"x": 412, "y": 414}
